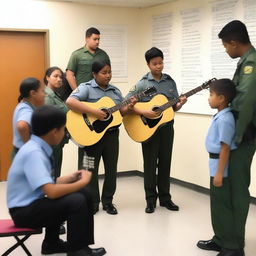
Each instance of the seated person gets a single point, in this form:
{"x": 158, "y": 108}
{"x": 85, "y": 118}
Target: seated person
{"x": 35, "y": 200}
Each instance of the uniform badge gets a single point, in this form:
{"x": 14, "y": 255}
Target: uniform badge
{"x": 75, "y": 91}
{"x": 248, "y": 69}
{"x": 133, "y": 89}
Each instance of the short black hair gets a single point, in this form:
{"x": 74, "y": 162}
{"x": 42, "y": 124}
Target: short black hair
{"x": 98, "y": 65}
{"x": 49, "y": 71}
{"x": 27, "y": 85}
{"x": 91, "y": 31}
{"x": 152, "y": 53}
{"x": 47, "y": 118}
{"x": 224, "y": 87}
{"x": 235, "y": 31}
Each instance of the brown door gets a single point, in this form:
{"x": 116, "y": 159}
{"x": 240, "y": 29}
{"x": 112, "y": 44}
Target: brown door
{"x": 22, "y": 54}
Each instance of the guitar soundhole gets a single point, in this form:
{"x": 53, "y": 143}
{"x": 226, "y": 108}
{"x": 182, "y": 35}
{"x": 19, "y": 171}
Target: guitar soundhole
{"x": 108, "y": 116}
{"x": 154, "y": 121}
{"x": 99, "y": 126}
{"x": 157, "y": 109}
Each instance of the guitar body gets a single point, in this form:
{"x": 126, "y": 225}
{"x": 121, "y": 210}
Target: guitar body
{"x": 139, "y": 128}
{"x": 85, "y": 129}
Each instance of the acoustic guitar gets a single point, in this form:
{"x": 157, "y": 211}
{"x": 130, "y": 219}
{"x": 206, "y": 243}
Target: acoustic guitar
{"x": 86, "y": 129}
{"x": 141, "y": 129}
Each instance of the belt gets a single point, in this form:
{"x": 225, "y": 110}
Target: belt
{"x": 214, "y": 155}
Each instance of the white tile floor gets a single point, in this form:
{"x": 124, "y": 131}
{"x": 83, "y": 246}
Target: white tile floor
{"x": 134, "y": 233}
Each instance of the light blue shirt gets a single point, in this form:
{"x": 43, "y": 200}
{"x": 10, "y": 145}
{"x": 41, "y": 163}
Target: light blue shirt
{"x": 30, "y": 170}
{"x": 92, "y": 92}
{"x": 222, "y": 129}
{"x": 22, "y": 112}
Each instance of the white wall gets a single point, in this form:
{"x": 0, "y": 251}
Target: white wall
{"x": 67, "y": 23}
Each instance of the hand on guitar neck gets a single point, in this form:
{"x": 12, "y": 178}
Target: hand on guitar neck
{"x": 183, "y": 100}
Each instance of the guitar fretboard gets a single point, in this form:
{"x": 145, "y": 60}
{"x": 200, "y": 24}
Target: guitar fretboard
{"x": 187, "y": 94}
{"x": 128, "y": 101}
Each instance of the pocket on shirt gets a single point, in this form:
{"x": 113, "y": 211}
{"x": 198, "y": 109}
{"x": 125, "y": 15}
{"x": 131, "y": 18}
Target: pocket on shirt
{"x": 85, "y": 66}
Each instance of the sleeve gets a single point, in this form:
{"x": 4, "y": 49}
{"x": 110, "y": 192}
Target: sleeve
{"x": 247, "y": 87}
{"x": 25, "y": 115}
{"x": 36, "y": 170}
{"x": 72, "y": 64}
{"x": 226, "y": 131}
{"x": 81, "y": 92}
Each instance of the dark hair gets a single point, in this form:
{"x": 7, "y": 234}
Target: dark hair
{"x": 27, "y": 85}
{"x": 98, "y": 65}
{"x": 224, "y": 87}
{"x": 152, "y": 53}
{"x": 91, "y": 31}
{"x": 235, "y": 31}
{"x": 47, "y": 118}
{"x": 49, "y": 71}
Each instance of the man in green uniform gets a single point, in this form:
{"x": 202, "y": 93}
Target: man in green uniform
{"x": 236, "y": 41}
{"x": 79, "y": 69}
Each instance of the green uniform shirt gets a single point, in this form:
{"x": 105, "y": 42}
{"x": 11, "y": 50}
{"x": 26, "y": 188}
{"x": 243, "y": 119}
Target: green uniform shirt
{"x": 245, "y": 101}
{"x": 80, "y": 63}
{"x": 52, "y": 99}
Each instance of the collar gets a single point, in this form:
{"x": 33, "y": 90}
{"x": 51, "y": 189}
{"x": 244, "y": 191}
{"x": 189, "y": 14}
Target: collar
{"x": 252, "y": 49}
{"x": 86, "y": 50}
{"x": 222, "y": 112}
{"x": 94, "y": 84}
{"x": 44, "y": 145}
{"x": 149, "y": 76}
{"x": 49, "y": 90}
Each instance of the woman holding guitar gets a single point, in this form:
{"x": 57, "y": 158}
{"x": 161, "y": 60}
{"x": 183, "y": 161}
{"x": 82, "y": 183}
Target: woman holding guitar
{"x": 108, "y": 146}
{"x": 157, "y": 150}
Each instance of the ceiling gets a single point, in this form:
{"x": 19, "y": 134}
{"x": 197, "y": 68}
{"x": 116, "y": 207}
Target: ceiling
{"x": 120, "y": 3}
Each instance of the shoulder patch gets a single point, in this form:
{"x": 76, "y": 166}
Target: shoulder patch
{"x": 133, "y": 89}
{"x": 248, "y": 69}
{"x": 75, "y": 91}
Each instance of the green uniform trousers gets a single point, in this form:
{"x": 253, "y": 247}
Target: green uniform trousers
{"x": 108, "y": 149}
{"x": 157, "y": 153}
{"x": 57, "y": 155}
{"x": 229, "y": 222}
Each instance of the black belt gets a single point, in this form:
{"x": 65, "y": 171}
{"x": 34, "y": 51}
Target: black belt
{"x": 214, "y": 155}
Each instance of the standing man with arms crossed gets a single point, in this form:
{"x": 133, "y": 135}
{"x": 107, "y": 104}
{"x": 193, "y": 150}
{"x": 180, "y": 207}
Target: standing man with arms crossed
{"x": 79, "y": 69}
{"x": 237, "y": 43}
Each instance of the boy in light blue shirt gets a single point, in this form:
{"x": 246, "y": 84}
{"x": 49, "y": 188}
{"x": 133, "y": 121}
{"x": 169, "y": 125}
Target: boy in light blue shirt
{"x": 34, "y": 198}
{"x": 219, "y": 142}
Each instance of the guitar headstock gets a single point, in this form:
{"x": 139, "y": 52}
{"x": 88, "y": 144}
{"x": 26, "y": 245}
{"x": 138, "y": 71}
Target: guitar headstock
{"x": 149, "y": 91}
{"x": 206, "y": 85}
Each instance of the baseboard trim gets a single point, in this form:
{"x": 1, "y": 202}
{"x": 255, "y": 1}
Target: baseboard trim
{"x": 182, "y": 183}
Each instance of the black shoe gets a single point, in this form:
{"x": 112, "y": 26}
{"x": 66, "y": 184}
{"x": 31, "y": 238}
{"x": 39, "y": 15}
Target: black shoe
{"x": 227, "y": 252}
{"x": 110, "y": 209}
{"x": 209, "y": 245}
{"x": 150, "y": 208}
{"x": 170, "y": 205}
{"x": 59, "y": 247}
{"x": 95, "y": 208}
{"x": 62, "y": 230}
{"x": 96, "y": 251}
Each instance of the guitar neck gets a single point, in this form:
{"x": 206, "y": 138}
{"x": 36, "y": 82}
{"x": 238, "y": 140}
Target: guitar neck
{"x": 171, "y": 103}
{"x": 124, "y": 103}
